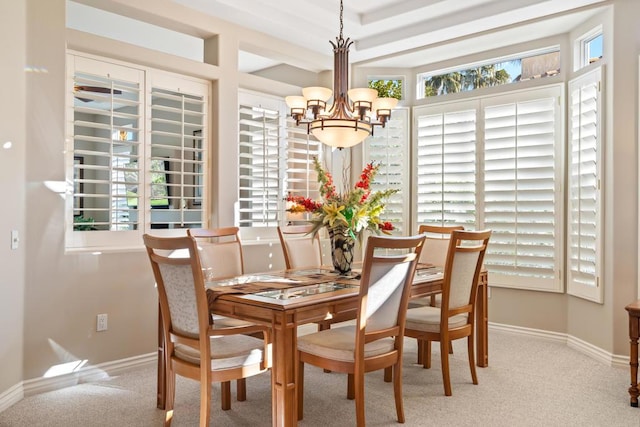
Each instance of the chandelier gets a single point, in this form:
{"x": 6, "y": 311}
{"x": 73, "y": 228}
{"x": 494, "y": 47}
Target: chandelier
{"x": 349, "y": 120}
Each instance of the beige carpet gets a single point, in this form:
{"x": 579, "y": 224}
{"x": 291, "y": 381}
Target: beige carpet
{"x": 530, "y": 382}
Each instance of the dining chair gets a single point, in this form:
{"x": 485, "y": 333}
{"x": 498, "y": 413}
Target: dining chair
{"x": 435, "y": 250}
{"x": 299, "y": 247}
{"x": 375, "y": 341}
{"x": 193, "y": 348}
{"x": 455, "y": 319}
{"x": 220, "y": 253}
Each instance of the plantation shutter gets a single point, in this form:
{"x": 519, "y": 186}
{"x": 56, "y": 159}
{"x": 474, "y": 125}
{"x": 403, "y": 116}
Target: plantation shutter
{"x": 446, "y": 165}
{"x": 585, "y": 159}
{"x": 301, "y": 178}
{"x": 136, "y": 153}
{"x": 177, "y": 159}
{"x": 521, "y": 192}
{"x": 106, "y": 130}
{"x": 260, "y": 177}
{"x": 389, "y": 147}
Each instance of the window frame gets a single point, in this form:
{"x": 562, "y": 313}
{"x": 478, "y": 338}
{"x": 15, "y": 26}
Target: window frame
{"x": 479, "y": 104}
{"x": 126, "y": 240}
{"x": 405, "y": 188}
{"x": 274, "y": 103}
{"x": 581, "y": 47}
{"x": 574, "y": 287}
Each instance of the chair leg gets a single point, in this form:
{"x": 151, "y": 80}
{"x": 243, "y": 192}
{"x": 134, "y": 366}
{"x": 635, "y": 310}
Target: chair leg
{"x": 241, "y": 389}
{"x": 426, "y": 354}
{"x": 472, "y": 358}
{"x": 397, "y": 390}
{"x": 444, "y": 357}
{"x": 351, "y": 393}
{"x": 359, "y": 395}
{"x": 450, "y": 347}
{"x": 225, "y": 392}
{"x": 205, "y": 398}
{"x": 170, "y": 394}
{"x": 300, "y": 384}
{"x": 420, "y": 353}
{"x": 388, "y": 374}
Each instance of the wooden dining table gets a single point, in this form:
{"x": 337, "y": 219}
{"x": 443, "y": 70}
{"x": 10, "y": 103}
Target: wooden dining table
{"x": 287, "y": 299}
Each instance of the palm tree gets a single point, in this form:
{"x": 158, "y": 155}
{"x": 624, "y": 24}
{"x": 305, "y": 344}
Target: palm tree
{"x": 444, "y": 83}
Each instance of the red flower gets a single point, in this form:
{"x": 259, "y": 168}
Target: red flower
{"x": 386, "y": 226}
{"x": 305, "y": 203}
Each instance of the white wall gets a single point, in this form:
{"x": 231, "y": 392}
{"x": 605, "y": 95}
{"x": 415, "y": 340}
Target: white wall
{"x": 13, "y": 43}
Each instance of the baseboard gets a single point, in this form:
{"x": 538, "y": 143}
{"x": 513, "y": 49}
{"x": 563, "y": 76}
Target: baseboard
{"x": 575, "y": 343}
{"x": 12, "y": 396}
{"x": 86, "y": 374}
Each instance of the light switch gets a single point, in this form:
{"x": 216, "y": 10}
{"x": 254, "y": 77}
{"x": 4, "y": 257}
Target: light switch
{"x": 14, "y": 239}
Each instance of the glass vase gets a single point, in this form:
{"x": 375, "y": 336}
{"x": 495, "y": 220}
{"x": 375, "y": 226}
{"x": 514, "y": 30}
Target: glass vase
{"x": 342, "y": 245}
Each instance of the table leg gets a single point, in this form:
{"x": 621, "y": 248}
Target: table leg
{"x": 283, "y": 372}
{"x": 161, "y": 387}
{"x": 482, "y": 323}
{"x": 634, "y": 332}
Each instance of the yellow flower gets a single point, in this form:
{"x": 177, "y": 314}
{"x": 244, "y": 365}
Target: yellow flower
{"x": 361, "y": 219}
{"x": 333, "y": 213}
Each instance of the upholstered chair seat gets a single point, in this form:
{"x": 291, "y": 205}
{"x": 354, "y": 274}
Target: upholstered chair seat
{"x": 339, "y": 344}
{"x": 238, "y": 351}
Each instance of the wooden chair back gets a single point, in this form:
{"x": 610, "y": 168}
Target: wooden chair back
{"x": 385, "y": 287}
{"x": 437, "y": 243}
{"x": 299, "y": 247}
{"x": 461, "y": 273}
{"x": 220, "y": 251}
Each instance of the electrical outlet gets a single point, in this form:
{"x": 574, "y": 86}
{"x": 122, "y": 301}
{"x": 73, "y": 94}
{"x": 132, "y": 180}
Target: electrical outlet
{"x": 101, "y": 324}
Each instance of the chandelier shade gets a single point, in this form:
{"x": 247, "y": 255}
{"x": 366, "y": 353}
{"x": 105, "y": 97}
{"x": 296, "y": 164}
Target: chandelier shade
{"x": 353, "y": 114}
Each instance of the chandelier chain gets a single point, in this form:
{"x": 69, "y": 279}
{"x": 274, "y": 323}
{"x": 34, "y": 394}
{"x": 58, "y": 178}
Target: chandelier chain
{"x": 341, "y": 9}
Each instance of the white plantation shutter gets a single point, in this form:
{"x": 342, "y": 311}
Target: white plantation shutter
{"x": 177, "y": 157}
{"x": 585, "y": 160}
{"x": 107, "y": 133}
{"x": 389, "y": 147}
{"x": 496, "y": 163}
{"x": 133, "y": 168}
{"x": 261, "y": 194}
{"x": 446, "y": 165}
{"x": 522, "y": 190}
{"x": 301, "y": 178}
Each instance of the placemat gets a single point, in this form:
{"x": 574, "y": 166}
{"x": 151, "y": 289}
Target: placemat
{"x": 213, "y": 292}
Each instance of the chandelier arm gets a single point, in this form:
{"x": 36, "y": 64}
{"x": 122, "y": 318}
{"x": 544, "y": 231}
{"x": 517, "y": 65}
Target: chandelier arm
{"x": 345, "y": 115}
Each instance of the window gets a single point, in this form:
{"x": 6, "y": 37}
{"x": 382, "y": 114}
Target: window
{"x": 588, "y": 48}
{"x": 387, "y": 87}
{"x": 496, "y": 163}
{"x": 260, "y": 157}
{"x": 389, "y": 147}
{"x": 522, "y": 189}
{"x": 301, "y": 178}
{"x": 585, "y": 198}
{"x": 133, "y": 171}
{"x": 446, "y": 165}
{"x": 527, "y": 66}
{"x": 276, "y": 158}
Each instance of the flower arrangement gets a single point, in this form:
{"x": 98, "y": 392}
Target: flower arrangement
{"x": 355, "y": 210}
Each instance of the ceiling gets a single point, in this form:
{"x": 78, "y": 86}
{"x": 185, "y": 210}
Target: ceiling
{"x": 400, "y": 33}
